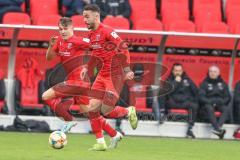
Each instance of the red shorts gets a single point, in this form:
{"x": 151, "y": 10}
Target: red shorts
{"x": 110, "y": 88}
{"x": 67, "y": 89}
{"x": 84, "y": 100}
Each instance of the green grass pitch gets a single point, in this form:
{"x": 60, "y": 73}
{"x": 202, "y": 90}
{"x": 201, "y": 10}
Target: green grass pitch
{"x": 34, "y": 146}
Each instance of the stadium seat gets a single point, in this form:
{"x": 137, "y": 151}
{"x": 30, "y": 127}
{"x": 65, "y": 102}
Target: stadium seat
{"x": 48, "y": 20}
{"x": 179, "y": 111}
{"x": 149, "y": 24}
{"x": 233, "y": 20}
{"x": 232, "y": 5}
{"x": 140, "y": 102}
{"x": 207, "y": 4}
{"x": 169, "y": 16}
{"x": 78, "y": 21}
{"x": 140, "y": 92}
{"x": 29, "y": 87}
{"x": 140, "y": 11}
{"x": 213, "y": 27}
{"x": 43, "y": 7}
{"x": 23, "y": 6}
{"x": 117, "y": 22}
{"x": 16, "y": 18}
{"x": 237, "y": 29}
{"x": 180, "y": 26}
{"x": 206, "y": 16}
{"x": 185, "y": 112}
{"x": 170, "y": 5}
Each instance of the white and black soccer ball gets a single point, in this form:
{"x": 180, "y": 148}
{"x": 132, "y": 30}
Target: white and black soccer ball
{"x": 57, "y": 139}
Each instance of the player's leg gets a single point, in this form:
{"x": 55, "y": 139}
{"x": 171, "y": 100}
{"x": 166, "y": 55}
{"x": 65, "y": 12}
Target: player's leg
{"x": 129, "y": 112}
{"x": 115, "y": 136}
{"x": 62, "y": 110}
{"x": 60, "y": 107}
{"x": 96, "y": 125}
{"x": 110, "y": 98}
{"x": 49, "y": 94}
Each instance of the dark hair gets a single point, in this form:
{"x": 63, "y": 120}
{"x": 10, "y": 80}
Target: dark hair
{"x": 65, "y": 21}
{"x": 176, "y": 64}
{"x": 92, "y": 7}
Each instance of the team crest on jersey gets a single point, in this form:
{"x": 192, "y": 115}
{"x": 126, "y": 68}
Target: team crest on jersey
{"x": 97, "y": 37}
{"x": 70, "y": 45}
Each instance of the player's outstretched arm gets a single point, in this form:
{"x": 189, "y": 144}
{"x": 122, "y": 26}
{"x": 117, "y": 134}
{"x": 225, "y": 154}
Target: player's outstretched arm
{"x": 51, "y": 54}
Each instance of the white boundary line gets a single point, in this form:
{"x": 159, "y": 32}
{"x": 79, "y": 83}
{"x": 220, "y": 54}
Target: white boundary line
{"x": 130, "y": 31}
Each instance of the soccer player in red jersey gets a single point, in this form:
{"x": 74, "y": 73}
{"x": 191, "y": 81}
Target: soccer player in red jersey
{"x": 114, "y": 70}
{"x": 66, "y": 46}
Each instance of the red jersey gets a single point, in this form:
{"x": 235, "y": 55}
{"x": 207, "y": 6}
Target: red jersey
{"x": 67, "y": 49}
{"x": 101, "y": 40}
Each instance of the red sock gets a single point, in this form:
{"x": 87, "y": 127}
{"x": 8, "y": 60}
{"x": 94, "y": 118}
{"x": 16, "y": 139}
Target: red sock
{"x": 61, "y": 109}
{"x": 117, "y": 112}
{"x": 107, "y": 128}
{"x": 96, "y": 124}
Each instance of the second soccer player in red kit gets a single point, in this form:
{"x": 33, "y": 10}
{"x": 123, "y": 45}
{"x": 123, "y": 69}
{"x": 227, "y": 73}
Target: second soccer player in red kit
{"x": 114, "y": 69}
{"x": 66, "y": 47}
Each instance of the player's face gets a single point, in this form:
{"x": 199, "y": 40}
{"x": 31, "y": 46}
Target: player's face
{"x": 177, "y": 71}
{"x": 90, "y": 19}
{"x": 66, "y": 31}
{"x": 214, "y": 72}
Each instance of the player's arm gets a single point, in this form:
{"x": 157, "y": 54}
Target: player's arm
{"x": 93, "y": 61}
{"x": 52, "y": 49}
{"x": 89, "y": 67}
{"x": 122, "y": 47}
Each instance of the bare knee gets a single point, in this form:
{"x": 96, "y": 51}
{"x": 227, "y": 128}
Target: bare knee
{"x": 105, "y": 109}
{"x": 95, "y": 104}
{"x": 49, "y": 94}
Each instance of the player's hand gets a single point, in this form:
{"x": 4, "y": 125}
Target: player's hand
{"x": 53, "y": 40}
{"x": 83, "y": 73}
{"x": 129, "y": 75}
{"x": 178, "y": 78}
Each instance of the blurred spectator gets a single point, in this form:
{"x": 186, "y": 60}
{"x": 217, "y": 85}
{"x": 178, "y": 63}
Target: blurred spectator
{"x": 119, "y": 8}
{"x": 236, "y": 103}
{"x": 214, "y": 96}
{"x": 10, "y": 6}
{"x": 183, "y": 96}
{"x": 73, "y": 7}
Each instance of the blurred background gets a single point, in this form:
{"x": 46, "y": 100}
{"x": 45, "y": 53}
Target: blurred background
{"x": 178, "y": 41}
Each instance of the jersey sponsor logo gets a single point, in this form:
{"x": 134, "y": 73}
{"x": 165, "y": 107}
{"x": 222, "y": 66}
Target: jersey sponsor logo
{"x": 67, "y": 54}
{"x": 220, "y": 85}
{"x": 186, "y": 83}
{"x": 86, "y": 40}
{"x": 210, "y": 86}
{"x": 114, "y": 35}
{"x": 96, "y": 46}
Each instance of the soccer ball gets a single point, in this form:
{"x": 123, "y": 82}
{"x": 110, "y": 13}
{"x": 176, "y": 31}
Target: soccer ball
{"x": 57, "y": 139}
